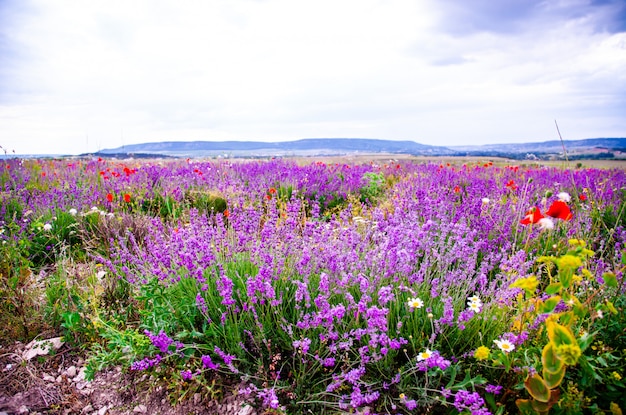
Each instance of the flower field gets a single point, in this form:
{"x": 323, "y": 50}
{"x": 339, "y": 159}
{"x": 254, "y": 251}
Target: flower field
{"x": 399, "y": 287}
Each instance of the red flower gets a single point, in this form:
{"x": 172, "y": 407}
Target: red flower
{"x": 272, "y": 190}
{"x": 110, "y": 197}
{"x": 226, "y": 213}
{"x": 560, "y": 210}
{"x": 457, "y": 189}
{"x": 532, "y": 216}
{"x": 511, "y": 185}
{"x": 582, "y": 197}
{"x": 127, "y": 198}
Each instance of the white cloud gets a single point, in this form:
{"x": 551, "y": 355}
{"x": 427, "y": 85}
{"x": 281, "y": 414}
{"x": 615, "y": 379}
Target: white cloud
{"x": 87, "y": 75}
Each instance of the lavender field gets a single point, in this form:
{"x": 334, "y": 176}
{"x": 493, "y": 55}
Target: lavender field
{"x": 385, "y": 287}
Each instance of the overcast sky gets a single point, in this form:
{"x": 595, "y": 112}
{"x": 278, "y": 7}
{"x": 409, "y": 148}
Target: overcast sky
{"x": 78, "y": 76}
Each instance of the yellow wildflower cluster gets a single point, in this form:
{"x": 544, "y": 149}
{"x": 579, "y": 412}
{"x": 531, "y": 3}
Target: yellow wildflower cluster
{"x": 482, "y": 353}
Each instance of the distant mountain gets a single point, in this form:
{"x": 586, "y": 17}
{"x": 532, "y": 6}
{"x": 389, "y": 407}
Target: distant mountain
{"x": 309, "y": 146}
{"x": 610, "y": 148}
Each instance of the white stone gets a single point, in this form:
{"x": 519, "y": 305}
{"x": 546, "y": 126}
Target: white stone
{"x": 141, "y": 409}
{"x": 70, "y": 372}
{"x": 41, "y": 347}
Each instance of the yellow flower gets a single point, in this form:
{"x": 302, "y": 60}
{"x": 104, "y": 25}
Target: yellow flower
{"x": 577, "y": 242}
{"x": 569, "y": 353}
{"x": 528, "y": 284}
{"x": 616, "y": 376}
{"x": 482, "y": 353}
{"x": 568, "y": 262}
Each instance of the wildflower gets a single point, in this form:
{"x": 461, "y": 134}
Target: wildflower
{"x": 482, "y": 353}
{"x": 208, "y": 363}
{"x": 511, "y": 185}
{"x": 47, "y": 227}
{"x": 532, "y": 216}
{"x": 457, "y": 189}
{"x": 415, "y": 303}
{"x": 569, "y": 262}
{"x": 475, "y": 307}
{"x": 582, "y": 197}
{"x": 73, "y": 212}
{"x": 616, "y": 376}
{"x": 564, "y": 197}
{"x": 545, "y": 223}
{"x": 109, "y": 197}
{"x": 529, "y": 284}
{"x": 505, "y": 345}
{"x": 559, "y": 210}
{"x": 226, "y": 213}
{"x": 426, "y": 354}
{"x": 272, "y": 190}
{"x": 569, "y": 353}
{"x": 485, "y": 200}
{"x": 127, "y": 198}
{"x": 474, "y": 303}
{"x": 495, "y": 389}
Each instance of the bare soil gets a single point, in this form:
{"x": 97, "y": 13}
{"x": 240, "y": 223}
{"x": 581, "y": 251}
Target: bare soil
{"x": 55, "y": 384}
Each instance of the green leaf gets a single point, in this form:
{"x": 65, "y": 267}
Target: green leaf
{"x": 559, "y": 334}
{"x": 537, "y": 387}
{"x": 550, "y": 304}
{"x": 554, "y": 288}
{"x": 550, "y": 360}
{"x": 553, "y": 379}
{"x": 525, "y": 407}
{"x": 610, "y": 279}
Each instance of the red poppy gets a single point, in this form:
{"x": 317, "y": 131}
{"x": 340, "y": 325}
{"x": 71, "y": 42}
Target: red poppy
{"x": 532, "y": 216}
{"x": 582, "y": 197}
{"x": 511, "y": 185}
{"x": 226, "y": 213}
{"x": 560, "y": 210}
{"x": 110, "y": 197}
{"x": 127, "y": 198}
{"x": 272, "y": 190}
{"x": 457, "y": 189}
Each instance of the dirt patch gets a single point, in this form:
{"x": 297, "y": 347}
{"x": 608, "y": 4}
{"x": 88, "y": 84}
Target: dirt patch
{"x": 55, "y": 384}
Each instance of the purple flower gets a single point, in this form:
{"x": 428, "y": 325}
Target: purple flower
{"x": 186, "y": 374}
{"x": 495, "y": 389}
{"x": 208, "y": 363}
{"x": 161, "y": 341}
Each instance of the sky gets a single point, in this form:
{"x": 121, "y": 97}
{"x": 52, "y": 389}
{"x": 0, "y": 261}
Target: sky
{"x": 80, "y": 76}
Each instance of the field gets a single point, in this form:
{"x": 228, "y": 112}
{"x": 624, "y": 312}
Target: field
{"x": 323, "y": 286}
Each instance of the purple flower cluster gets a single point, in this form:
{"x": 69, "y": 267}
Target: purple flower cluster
{"x": 470, "y": 401}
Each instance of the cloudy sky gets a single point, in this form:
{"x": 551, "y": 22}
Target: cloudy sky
{"x": 78, "y": 76}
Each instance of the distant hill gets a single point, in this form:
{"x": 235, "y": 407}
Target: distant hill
{"x": 609, "y": 148}
{"x": 309, "y": 146}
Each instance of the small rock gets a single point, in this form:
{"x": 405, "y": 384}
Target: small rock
{"x": 48, "y": 378}
{"x": 41, "y": 347}
{"x": 71, "y": 371}
{"x": 59, "y": 379}
{"x": 81, "y": 375}
{"x": 103, "y": 410}
{"x": 23, "y": 410}
{"x": 196, "y": 398}
{"x": 87, "y": 408}
{"x": 141, "y": 409}
{"x": 245, "y": 410}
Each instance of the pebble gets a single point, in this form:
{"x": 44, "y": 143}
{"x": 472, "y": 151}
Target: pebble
{"x": 103, "y": 410}
{"x": 87, "y": 408}
{"x": 140, "y": 409}
{"x": 48, "y": 378}
{"x": 71, "y": 371}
